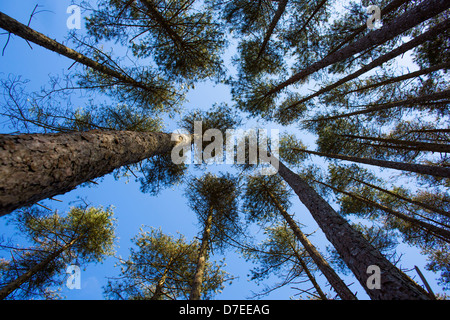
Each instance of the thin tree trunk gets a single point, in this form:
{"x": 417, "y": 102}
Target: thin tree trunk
{"x": 319, "y": 6}
{"x": 403, "y": 166}
{"x": 159, "y": 285}
{"x": 414, "y": 145}
{"x": 196, "y": 289}
{"x": 379, "y": 61}
{"x": 422, "y": 12}
{"x": 311, "y": 278}
{"x": 445, "y": 94}
{"x": 280, "y": 10}
{"x": 21, "y": 30}
{"x": 439, "y": 232}
{"x": 156, "y": 15}
{"x": 417, "y": 203}
{"x": 407, "y": 76}
{"x": 353, "y": 248}
{"x": 34, "y": 167}
{"x": 333, "y": 278}
{"x": 12, "y": 286}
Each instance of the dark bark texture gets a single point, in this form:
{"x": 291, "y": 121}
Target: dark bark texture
{"x": 353, "y": 248}
{"x": 34, "y": 167}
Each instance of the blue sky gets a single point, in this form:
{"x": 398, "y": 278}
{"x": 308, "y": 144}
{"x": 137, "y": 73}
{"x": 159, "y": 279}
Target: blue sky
{"x": 133, "y": 209}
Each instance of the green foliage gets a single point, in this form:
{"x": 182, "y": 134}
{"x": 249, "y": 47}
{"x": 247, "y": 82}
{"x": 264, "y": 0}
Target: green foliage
{"x": 161, "y": 267}
{"x": 258, "y": 196}
{"x": 160, "y": 172}
{"x": 289, "y": 150}
{"x": 83, "y": 235}
{"x": 182, "y": 40}
{"x": 216, "y": 195}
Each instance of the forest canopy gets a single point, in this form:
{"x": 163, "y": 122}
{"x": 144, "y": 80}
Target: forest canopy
{"x": 354, "y": 96}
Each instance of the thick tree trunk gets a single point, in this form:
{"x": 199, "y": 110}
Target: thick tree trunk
{"x": 11, "y": 25}
{"x": 391, "y": 6}
{"x": 333, "y": 278}
{"x": 403, "y": 166}
{"x": 353, "y": 248}
{"x": 422, "y": 12}
{"x": 379, "y": 61}
{"x": 12, "y": 286}
{"x": 196, "y": 289}
{"x": 34, "y": 167}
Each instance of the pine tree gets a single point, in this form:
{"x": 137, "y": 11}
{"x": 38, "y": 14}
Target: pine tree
{"x": 214, "y": 200}
{"x": 84, "y": 234}
{"x": 184, "y": 41}
{"x": 161, "y": 267}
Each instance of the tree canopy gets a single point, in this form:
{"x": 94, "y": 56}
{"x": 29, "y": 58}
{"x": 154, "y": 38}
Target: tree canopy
{"x": 362, "y": 174}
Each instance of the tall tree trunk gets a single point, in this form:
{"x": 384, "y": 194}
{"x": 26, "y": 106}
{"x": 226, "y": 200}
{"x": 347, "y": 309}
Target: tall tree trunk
{"x": 353, "y": 248}
{"x": 12, "y": 286}
{"x": 196, "y": 289}
{"x": 34, "y": 167}
{"x": 11, "y": 25}
{"x": 379, "y": 61}
{"x": 439, "y": 232}
{"x": 422, "y": 12}
{"x": 414, "y": 145}
{"x": 445, "y": 94}
{"x": 280, "y": 10}
{"x": 403, "y": 166}
{"x": 333, "y": 278}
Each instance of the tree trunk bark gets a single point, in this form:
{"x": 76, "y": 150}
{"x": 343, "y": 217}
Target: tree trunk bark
{"x": 196, "y": 289}
{"x": 391, "y": 6}
{"x": 333, "y": 278}
{"x": 11, "y": 25}
{"x": 353, "y": 248}
{"x": 12, "y": 286}
{"x": 34, "y": 167}
{"x": 411, "y": 167}
{"x": 422, "y": 12}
